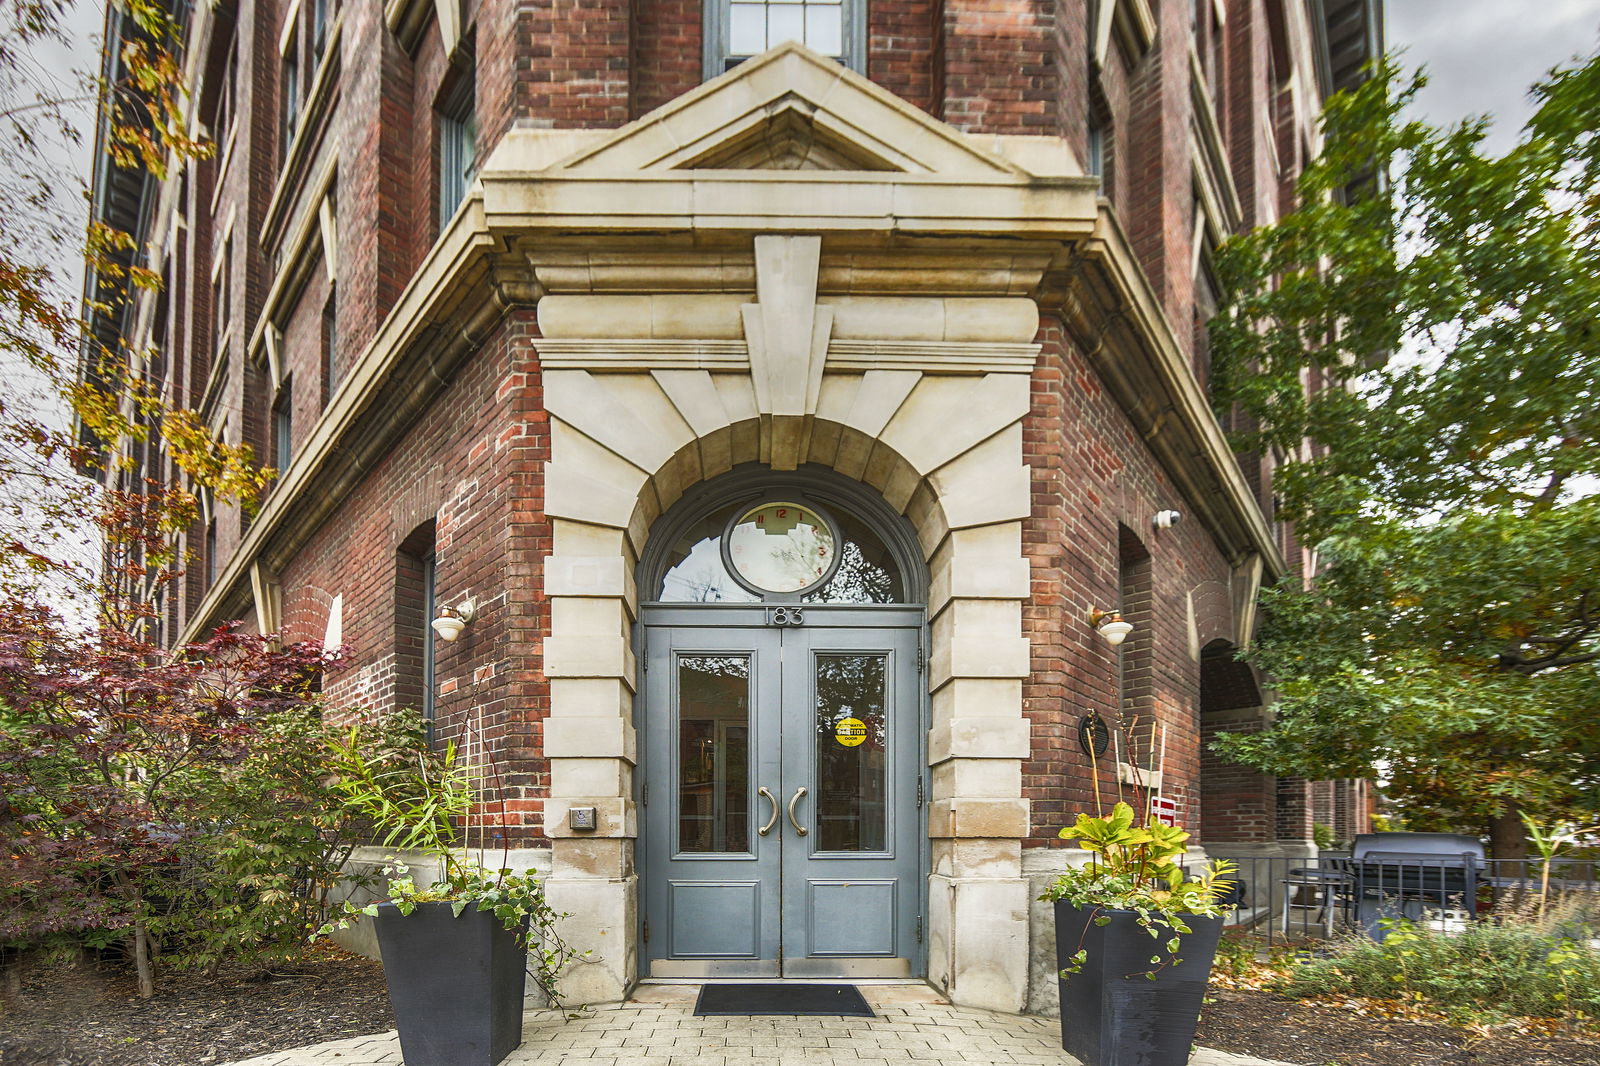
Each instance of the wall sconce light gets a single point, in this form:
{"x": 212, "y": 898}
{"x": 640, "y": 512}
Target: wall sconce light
{"x": 1111, "y": 626}
{"x": 1166, "y": 519}
{"x": 452, "y": 620}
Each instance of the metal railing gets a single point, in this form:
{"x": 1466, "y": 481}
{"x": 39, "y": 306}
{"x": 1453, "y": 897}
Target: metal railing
{"x": 1285, "y": 899}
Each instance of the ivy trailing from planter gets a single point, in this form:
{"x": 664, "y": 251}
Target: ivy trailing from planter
{"x": 1135, "y": 868}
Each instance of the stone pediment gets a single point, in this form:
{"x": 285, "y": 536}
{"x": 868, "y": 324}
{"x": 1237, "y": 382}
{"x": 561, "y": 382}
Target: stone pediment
{"x": 789, "y": 137}
{"x": 789, "y": 141}
{"x": 790, "y": 109}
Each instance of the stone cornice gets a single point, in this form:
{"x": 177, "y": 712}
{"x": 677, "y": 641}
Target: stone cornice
{"x": 1112, "y": 311}
{"x": 473, "y": 276}
{"x": 433, "y": 327}
{"x": 793, "y": 201}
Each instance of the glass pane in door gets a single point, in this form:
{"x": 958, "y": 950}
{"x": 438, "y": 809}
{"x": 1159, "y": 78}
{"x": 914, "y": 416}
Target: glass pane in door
{"x": 852, "y": 752}
{"x": 714, "y": 753}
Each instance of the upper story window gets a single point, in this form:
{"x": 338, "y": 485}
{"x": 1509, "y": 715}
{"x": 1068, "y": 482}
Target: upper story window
{"x": 739, "y": 29}
{"x": 221, "y": 283}
{"x": 227, "y": 90}
{"x": 330, "y": 344}
{"x": 289, "y": 88}
{"x": 321, "y": 10}
{"x": 1101, "y": 142}
{"x": 458, "y": 143}
{"x": 283, "y": 426}
{"x": 1206, "y": 25}
{"x": 302, "y": 44}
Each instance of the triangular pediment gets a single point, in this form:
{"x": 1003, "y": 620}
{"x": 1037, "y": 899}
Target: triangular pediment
{"x": 787, "y": 136}
{"x": 791, "y": 109}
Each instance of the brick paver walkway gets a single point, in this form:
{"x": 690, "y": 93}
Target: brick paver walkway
{"x": 658, "y": 1028}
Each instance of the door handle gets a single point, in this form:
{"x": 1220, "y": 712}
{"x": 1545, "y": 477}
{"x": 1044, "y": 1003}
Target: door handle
{"x": 799, "y": 794}
{"x": 764, "y": 830}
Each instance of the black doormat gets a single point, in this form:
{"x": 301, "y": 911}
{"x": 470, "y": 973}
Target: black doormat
{"x": 833, "y": 1000}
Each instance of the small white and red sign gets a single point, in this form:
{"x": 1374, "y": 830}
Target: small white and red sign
{"x": 1163, "y": 809}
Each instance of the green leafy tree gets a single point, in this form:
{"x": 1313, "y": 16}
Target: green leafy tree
{"x": 1419, "y": 340}
{"x": 142, "y": 799}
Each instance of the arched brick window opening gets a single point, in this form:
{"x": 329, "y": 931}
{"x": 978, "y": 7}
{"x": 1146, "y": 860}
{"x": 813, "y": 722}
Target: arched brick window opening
{"x": 1136, "y": 661}
{"x": 1238, "y": 804}
{"x": 413, "y": 611}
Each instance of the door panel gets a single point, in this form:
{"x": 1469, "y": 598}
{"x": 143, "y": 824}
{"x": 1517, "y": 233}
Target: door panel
{"x": 782, "y": 833}
{"x": 716, "y": 919}
{"x": 712, "y": 737}
{"x": 851, "y": 917}
{"x": 851, "y": 737}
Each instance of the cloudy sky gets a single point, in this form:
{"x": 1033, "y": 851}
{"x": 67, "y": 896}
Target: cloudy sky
{"x": 1481, "y": 55}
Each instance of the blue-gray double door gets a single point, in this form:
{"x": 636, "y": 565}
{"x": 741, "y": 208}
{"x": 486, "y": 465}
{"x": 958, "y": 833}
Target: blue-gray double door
{"x": 782, "y": 792}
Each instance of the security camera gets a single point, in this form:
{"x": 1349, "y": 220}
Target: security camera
{"x": 1166, "y": 519}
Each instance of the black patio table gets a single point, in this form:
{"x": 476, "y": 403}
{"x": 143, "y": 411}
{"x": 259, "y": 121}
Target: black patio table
{"x": 1396, "y": 875}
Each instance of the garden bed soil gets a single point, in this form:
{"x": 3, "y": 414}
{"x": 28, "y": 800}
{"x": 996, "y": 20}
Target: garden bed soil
{"x": 1308, "y": 1034}
{"x": 89, "y": 1015}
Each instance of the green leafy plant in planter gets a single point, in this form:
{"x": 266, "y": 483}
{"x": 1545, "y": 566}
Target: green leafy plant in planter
{"x": 1135, "y": 868}
{"x": 454, "y": 950}
{"x": 1135, "y": 938}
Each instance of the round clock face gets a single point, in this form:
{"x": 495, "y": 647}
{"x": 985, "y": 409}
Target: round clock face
{"x": 782, "y": 547}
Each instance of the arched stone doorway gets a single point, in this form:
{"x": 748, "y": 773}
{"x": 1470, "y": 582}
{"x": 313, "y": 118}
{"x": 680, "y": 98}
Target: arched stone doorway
{"x": 781, "y": 719}
{"x": 938, "y": 438}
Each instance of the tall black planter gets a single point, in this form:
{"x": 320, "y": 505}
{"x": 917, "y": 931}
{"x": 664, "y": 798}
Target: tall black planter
{"x": 1111, "y": 1014}
{"x": 456, "y": 984}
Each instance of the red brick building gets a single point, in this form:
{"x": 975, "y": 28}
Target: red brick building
{"x": 780, "y": 392}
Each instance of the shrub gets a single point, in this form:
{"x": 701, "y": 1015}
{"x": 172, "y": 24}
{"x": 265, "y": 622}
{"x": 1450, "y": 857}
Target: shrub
{"x": 176, "y": 802}
{"x": 1490, "y": 972}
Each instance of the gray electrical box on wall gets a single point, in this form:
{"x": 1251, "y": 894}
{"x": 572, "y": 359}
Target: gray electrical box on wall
{"x": 581, "y": 817}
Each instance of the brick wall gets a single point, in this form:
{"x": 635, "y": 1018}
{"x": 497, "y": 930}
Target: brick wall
{"x": 556, "y": 64}
{"x": 999, "y": 70}
{"x": 1093, "y": 479}
{"x": 1240, "y": 803}
{"x": 473, "y": 465}
{"x": 902, "y": 48}
{"x": 993, "y": 66}
{"x": 668, "y": 51}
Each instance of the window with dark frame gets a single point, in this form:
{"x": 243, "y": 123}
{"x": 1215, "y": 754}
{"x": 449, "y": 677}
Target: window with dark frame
{"x": 320, "y": 11}
{"x": 219, "y": 295}
{"x": 429, "y": 609}
{"x": 211, "y": 551}
{"x": 289, "y": 95}
{"x": 223, "y": 111}
{"x": 283, "y": 426}
{"x": 415, "y": 604}
{"x": 1208, "y": 42}
{"x": 738, "y": 29}
{"x": 1101, "y": 163}
{"x": 1207, "y": 293}
{"x": 305, "y": 46}
{"x": 330, "y": 346}
{"x": 458, "y": 142}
